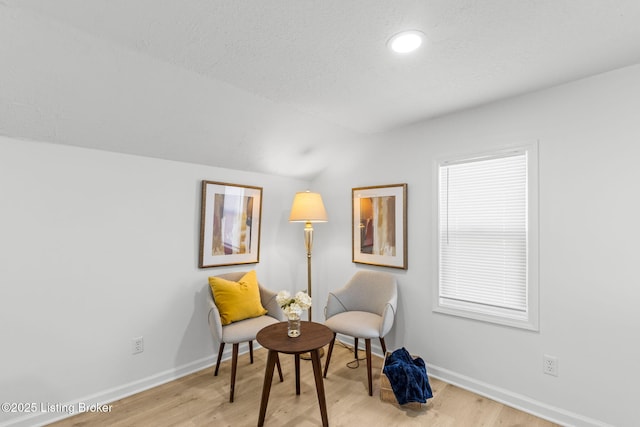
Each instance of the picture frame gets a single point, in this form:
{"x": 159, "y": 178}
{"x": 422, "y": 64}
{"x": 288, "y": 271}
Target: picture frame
{"x": 379, "y": 225}
{"x": 229, "y": 224}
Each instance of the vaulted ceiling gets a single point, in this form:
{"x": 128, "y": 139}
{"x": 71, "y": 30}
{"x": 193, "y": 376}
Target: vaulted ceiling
{"x": 277, "y": 86}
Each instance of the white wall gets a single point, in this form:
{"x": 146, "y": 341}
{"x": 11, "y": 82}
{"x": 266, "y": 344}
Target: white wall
{"x": 97, "y": 248}
{"x": 589, "y": 146}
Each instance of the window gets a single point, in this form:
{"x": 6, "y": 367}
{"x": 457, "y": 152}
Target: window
{"x": 487, "y": 237}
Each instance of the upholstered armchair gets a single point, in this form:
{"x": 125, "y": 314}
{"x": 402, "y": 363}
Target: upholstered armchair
{"x": 364, "y": 308}
{"x": 239, "y": 331}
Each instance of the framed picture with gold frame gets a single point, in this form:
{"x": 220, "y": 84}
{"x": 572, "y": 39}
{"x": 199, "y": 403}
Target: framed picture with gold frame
{"x": 229, "y": 224}
{"x": 379, "y": 226}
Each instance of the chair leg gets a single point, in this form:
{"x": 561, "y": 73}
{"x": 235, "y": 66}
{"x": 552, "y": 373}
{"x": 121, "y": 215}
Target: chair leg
{"x": 355, "y": 347}
{"x": 367, "y": 343}
{"x": 234, "y": 365}
{"x": 251, "y": 351}
{"x": 220, "y": 350}
{"x": 326, "y": 365}
{"x": 279, "y": 367}
{"x": 384, "y": 347}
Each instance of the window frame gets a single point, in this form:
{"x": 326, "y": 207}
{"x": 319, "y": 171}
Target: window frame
{"x": 530, "y": 320}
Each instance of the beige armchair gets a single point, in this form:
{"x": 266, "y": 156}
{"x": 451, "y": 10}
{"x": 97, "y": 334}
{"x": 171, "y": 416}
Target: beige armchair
{"x": 364, "y": 308}
{"x": 244, "y": 330}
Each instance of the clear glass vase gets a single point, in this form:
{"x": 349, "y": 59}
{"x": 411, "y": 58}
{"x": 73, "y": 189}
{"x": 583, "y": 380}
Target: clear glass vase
{"x": 293, "y": 329}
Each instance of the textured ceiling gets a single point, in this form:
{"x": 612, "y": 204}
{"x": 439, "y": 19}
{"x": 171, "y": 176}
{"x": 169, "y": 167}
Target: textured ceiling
{"x": 328, "y": 60}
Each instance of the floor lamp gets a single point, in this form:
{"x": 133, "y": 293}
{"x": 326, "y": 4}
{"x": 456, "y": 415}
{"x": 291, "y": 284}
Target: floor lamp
{"x": 307, "y": 207}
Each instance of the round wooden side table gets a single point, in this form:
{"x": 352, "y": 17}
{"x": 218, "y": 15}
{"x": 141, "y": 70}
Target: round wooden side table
{"x": 313, "y": 337}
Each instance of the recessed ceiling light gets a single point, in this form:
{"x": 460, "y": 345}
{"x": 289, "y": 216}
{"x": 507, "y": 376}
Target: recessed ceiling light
{"x": 406, "y": 41}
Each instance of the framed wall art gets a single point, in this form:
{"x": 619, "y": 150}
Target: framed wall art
{"x": 229, "y": 224}
{"x": 379, "y": 216}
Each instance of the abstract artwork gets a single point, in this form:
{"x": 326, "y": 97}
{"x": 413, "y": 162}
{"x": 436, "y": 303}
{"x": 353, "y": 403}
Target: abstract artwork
{"x": 379, "y": 225}
{"x": 230, "y": 224}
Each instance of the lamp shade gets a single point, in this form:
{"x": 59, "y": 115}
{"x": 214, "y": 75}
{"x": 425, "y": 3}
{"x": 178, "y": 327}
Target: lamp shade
{"x": 307, "y": 207}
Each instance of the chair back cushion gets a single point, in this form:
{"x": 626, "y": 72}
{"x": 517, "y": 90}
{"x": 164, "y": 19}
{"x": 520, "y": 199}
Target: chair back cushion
{"x": 370, "y": 291}
{"x": 237, "y": 300}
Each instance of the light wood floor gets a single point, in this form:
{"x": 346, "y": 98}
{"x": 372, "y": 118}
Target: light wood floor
{"x": 200, "y": 399}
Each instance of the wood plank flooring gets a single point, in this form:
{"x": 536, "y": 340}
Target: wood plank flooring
{"x": 200, "y": 399}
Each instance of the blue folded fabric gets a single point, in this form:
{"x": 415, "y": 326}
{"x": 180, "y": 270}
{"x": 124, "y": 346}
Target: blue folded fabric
{"x": 408, "y": 377}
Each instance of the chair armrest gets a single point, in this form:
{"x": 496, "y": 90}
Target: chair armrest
{"x": 334, "y": 305}
{"x": 388, "y": 317}
{"x": 215, "y": 325}
{"x": 268, "y": 300}
{"x": 389, "y": 312}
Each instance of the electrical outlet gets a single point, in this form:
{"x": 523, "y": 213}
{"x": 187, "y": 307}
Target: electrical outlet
{"x": 550, "y": 365}
{"x": 137, "y": 345}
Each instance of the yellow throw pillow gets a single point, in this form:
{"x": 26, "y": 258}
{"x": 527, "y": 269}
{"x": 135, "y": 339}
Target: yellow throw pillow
{"x": 237, "y": 300}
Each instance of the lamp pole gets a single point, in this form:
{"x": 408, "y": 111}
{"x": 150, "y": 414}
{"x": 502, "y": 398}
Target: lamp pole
{"x": 307, "y": 207}
{"x": 308, "y": 243}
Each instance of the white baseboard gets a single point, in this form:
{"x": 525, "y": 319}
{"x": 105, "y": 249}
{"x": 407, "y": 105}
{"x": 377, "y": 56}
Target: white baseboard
{"x": 111, "y": 395}
{"x": 515, "y": 400}
{"x": 506, "y": 397}
{"x": 376, "y": 348}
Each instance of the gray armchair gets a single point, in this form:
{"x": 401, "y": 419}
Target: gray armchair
{"x": 244, "y": 330}
{"x": 364, "y": 308}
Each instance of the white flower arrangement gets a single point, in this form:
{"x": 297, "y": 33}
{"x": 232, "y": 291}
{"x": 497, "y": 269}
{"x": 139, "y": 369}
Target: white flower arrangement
{"x": 293, "y": 305}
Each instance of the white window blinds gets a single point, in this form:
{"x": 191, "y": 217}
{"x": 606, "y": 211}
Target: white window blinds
{"x": 483, "y": 234}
